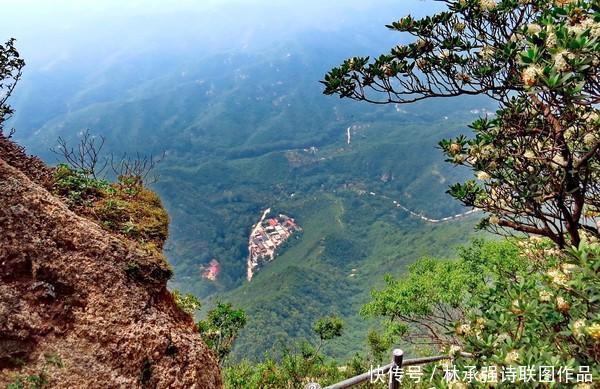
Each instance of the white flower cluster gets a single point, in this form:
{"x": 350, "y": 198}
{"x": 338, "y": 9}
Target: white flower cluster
{"x": 584, "y": 25}
{"x": 530, "y": 75}
{"x": 560, "y": 60}
{"x": 486, "y": 53}
{"x": 551, "y": 38}
{"x": 487, "y": 5}
{"x": 579, "y": 327}
{"x": 590, "y": 24}
{"x": 545, "y": 296}
{"x": 483, "y": 176}
{"x": 512, "y": 357}
{"x": 562, "y": 305}
{"x": 534, "y": 28}
{"x": 558, "y": 277}
{"x": 563, "y": 3}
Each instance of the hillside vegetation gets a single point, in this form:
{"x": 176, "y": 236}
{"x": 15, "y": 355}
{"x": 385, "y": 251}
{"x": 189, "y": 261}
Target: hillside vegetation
{"x": 240, "y": 137}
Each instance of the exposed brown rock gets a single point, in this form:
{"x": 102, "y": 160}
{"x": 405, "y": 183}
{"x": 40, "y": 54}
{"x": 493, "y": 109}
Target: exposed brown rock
{"x": 33, "y": 167}
{"x": 72, "y": 294}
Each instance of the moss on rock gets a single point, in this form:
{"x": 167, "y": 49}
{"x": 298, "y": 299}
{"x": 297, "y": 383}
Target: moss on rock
{"x": 125, "y": 207}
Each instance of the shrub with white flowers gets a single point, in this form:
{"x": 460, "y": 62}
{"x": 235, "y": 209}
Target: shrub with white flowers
{"x": 546, "y": 313}
{"x": 508, "y": 304}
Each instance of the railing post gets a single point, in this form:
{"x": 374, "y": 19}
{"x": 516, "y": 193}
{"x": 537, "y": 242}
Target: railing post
{"x": 397, "y": 356}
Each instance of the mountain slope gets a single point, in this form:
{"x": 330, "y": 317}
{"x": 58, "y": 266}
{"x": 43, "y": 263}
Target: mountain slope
{"x": 245, "y": 131}
{"x": 349, "y": 242}
{"x": 70, "y": 313}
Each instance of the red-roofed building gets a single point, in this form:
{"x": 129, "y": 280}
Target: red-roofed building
{"x": 212, "y": 271}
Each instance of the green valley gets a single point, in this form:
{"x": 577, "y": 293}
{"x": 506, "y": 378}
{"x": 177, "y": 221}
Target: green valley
{"x": 244, "y": 131}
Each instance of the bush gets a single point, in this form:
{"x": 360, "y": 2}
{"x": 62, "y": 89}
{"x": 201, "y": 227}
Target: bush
{"x": 188, "y": 303}
{"x": 544, "y": 314}
{"x": 124, "y": 207}
{"x": 511, "y": 303}
{"x": 77, "y": 186}
{"x": 297, "y": 367}
{"x": 221, "y": 328}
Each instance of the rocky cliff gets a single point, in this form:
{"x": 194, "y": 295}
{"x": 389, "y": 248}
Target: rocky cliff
{"x": 81, "y": 306}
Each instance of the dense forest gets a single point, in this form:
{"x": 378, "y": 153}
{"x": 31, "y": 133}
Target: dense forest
{"x": 242, "y": 131}
{"x": 525, "y": 301}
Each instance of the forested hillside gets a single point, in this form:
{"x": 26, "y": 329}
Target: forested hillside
{"x": 246, "y": 130}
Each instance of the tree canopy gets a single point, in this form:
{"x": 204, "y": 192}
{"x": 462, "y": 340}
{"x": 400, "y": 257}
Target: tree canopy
{"x": 536, "y": 160}
{"x": 11, "y": 67}
{"x": 220, "y": 329}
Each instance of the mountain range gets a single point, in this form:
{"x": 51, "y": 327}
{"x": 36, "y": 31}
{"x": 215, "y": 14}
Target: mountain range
{"x": 245, "y": 127}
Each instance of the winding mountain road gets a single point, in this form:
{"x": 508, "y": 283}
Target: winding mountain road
{"x": 423, "y": 217}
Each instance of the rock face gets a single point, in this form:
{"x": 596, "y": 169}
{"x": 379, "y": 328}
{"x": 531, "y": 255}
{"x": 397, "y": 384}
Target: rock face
{"x": 79, "y": 306}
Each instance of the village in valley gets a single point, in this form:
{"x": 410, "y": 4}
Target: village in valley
{"x": 266, "y": 237}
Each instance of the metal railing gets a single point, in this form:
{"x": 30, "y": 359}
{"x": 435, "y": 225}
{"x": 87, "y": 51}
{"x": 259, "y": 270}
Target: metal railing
{"x": 398, "y": 361}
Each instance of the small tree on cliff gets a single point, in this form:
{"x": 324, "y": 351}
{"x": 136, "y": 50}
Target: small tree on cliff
{"x": 11, "y": 66}
{"x": 221, "y": 328}
{"x": 537, "y": 160}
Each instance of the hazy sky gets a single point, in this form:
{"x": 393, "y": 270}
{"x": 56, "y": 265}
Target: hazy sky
{"x": 51, "y": 30}
{"x": 101, "y": 48}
